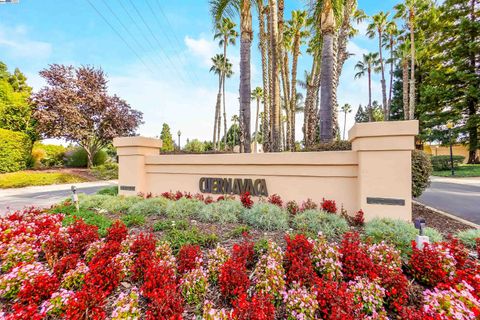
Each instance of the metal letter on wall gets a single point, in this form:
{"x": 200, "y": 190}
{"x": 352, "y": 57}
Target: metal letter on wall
{"x": 257, "y": 187}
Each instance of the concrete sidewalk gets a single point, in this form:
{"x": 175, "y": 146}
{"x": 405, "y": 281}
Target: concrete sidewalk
{"x": 45, "y": 196}
{"x": 457, "y": 196}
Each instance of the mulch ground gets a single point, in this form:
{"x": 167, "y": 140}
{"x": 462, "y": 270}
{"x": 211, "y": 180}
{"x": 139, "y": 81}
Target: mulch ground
{"x": 444, "y": 224}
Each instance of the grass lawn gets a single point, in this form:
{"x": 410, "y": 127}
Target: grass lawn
{"x": 464, "y": 170}
{"x": 28, "y": 178}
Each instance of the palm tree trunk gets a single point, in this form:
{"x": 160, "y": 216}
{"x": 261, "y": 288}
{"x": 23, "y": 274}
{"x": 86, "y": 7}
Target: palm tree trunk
{"x": 390, "y": 90}
{"x": 245, "y": 86}
{"x": 286, "y": 89}
{"x": 275, "y": 81}
{"x": 225, "y": 41}
{"x": 406, "y": 111}
{"x": 412, "y": 65}
{"x": 326, "y": 98}
{"x": 344, "y": 125}
{"x": 266, "y": 93}
{"x": 293, "y": 103}
{"x": 370, "y": 111}
{"x": 382, "y": 69}
{"x": 256, "y": 125}
{"x": 217, "y": 111}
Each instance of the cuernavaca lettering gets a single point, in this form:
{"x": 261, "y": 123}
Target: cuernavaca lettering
{"x": 257, "y": 187}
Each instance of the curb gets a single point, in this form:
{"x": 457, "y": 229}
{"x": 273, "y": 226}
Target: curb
{"x": 449, "y": 215}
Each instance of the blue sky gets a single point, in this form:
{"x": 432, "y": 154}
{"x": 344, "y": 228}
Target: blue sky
{"x": 164, "y": 69}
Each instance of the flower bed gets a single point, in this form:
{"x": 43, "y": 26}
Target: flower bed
{"x": 49, "y": 271}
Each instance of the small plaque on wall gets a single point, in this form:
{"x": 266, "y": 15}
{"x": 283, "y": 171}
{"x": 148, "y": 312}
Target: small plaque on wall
{"x": 127, "y": 188}
{"x": 386, "y": 201}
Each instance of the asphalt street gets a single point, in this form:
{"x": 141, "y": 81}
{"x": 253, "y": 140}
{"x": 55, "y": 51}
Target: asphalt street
{"x": 44, "y": 196}
{"x": 457, "y": 196}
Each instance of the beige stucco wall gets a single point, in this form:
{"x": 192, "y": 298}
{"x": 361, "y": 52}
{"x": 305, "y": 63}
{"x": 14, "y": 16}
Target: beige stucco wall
{"x": 457, "y": 150}
{"x": 377, "y": 167}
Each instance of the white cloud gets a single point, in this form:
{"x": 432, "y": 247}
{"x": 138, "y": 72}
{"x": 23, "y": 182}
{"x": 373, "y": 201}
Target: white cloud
{"x": 16, "y": 42}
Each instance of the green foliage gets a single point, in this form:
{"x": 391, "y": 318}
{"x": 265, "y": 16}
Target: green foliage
{"x": 106, "y": 171}
{"x": 184, "y": 208}
{"x": 440, "y": 163}
{"x": 226, "y": 211}
{"x": 465, "y": 170}
{"x": 337, "y": 145}
{"x": 421, "y": 171}
{"x": 167, "y": 141}
{"x": 15, "y": 149}
{"x": 314, "y": 221}
{"x": 152, "y": 206}
{"x": 93, "y": 201}
{"x": 24, "y": 179}
{"x": 77, "y": 158}
{"x": 266, "y": 216}
{"x": 195, "y": 146}
{"x": 165, "y": 225}
{"x": 238, "y": 231}
{"x": 178, "y": 238}
{"x": 133, "y": 220}
{"x": 90, "y": 217}
{"x": 15, "y": 108}
{"x": 468, "y": 237}
{"x": 398, "y": 233}
{"x": 119, "y": 204}
{"x": 361, "y": 115}
{"x": 52, "y": 155}
{"x": 260, "y": 247}
{"x": 109, "y": 191}
{"x": 233, "y": 136}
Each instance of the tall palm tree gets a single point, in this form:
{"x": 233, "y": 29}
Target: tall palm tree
{"x": 403, "y": 52}
{"x": 274, "y": 79}
{"x": 390, "y": 37}
{"x": 226, "y": 34}
{"x": 296, "y": 29}
{"x": 377, "y": 28}
{"x": 220, "y": 9}
{"x": 257, "y": 95}
{"x": 220, "y": 66}
{"x": 366, "y": 66}
{"x": 346, "y": 108}
{"x": 330, "y": 12}
{"x": 408, "y": 11}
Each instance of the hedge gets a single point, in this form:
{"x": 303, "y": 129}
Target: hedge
{"x": 15, "y": 149}
{"x": 441, "y": 163}
{"x": 77, "y": 158}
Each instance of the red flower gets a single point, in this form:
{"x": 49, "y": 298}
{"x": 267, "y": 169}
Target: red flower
{"x": 188, "y": 258}
{"x": 276, "y": 200}
{"x": 355, "y": 259}
{"x": 81, "y": 235}
{"x": 298, "y": 265}
{"x": 259, "y": 308}
{"x": 117, "y": 232}
{"x": 329, "y": 206}
{"x": 246, "y": 200}
{"x": 233, "y": 278}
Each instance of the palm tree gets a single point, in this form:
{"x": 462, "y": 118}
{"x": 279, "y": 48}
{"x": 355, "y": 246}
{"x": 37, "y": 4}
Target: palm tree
{"x": 391, "y": 34}
{"x": 275, "y": 61}
{"x": 346, "y": 108}
{"x": 257, "y": 95}
{"x": 408, "y": 11}
{"x": 220, "y": 9}
{"x": 366, "y": 66}
{"x": 226, "y": 34}
{"x": 220, "y": 67}
{"x": 296, "y": 29}
{"x": 330, "y": 11}
{"x": 377, "y": 27}
{"x": 403, "y": 51}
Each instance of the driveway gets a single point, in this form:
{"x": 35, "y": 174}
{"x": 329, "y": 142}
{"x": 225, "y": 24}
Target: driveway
{"x": 45, "y": 196}
{"x": 457, "y": 196}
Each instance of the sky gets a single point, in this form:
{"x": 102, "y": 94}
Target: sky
{"x": 156, "y": 54}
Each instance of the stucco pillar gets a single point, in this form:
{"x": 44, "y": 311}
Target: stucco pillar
{"x": 131, "y": 153}
{"x": 384, "y": 167}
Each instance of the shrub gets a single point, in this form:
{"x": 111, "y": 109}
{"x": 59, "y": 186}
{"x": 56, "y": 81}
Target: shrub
{"x": 119, "y": 203}
{"x": 226, "y": 211}
{"x": 94, "y": 201}
{"x": 48, "y": 155}
{"x": 238, "y": 231}
{"x": 183, "y": 208}
{"x": 421, "y": 171}
{"x": 77, "y": 158}
{"x": 90, "y": 218}
{"x": 314, "y": 221}
{"x": 178, "y": 238}
{"x": 440, "y": 163}
{"x": 337, "y": 145}
{"x": 398, "y": 233}
{"x": 151, "y": 206}
{"x": 15, "y": 149}
{"x": 106, "y": 171}
{"x": 133, "y": 219}
{"x": 468, "y": 237}
{"x": 109, "y": 191}
{"x": 266, "y": 216}
{"x": 195, "y": 146}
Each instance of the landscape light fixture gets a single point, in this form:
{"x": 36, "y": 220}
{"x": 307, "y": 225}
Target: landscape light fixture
{"x": 450, "y": 126}
{"x": 420, "y": 225}
{"x": 421, "y": 238}
{"x": 75, "y": 197}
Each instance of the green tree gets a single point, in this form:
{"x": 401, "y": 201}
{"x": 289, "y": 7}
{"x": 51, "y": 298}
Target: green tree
{"x": 346, "y": 108}
{"x": 361, "y": 115}
{"x": 364, "y": 67}
{"x": 257, "y": 95}
{"x": 15, "y": 107}
{"x": 167, "y": 140}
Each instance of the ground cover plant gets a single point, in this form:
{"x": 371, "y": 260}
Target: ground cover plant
{"x": 53, "y": 271}
{"x": 22, "y": 179}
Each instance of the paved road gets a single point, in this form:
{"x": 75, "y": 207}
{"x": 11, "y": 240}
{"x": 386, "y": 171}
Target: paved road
{"x": 457, "y": 196}
{"x": 44, "y": 196}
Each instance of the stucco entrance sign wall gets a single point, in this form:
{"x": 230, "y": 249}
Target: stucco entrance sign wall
{"x": 374, "y": 176}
